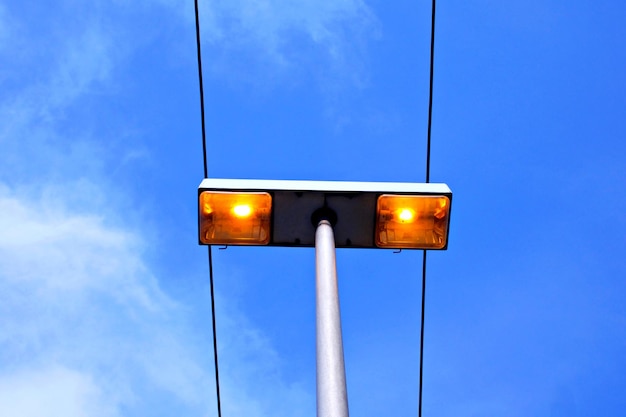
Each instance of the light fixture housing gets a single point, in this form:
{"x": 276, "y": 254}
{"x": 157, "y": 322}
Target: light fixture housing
{"x": 281, "y": 213}
{"x": 235, "y": 218}
{"x": 409, "y": 221}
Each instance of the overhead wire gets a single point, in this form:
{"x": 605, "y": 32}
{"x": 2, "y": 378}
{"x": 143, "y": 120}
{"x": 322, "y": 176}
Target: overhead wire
{"x": 428, "y": 142}
{"x": 217, "y": 372}
{"x": 204, "y": 159}
{"x": 199, "y": 53}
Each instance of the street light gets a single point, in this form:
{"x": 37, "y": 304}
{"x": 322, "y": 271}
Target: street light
{"x": 364, "y": 214}
{"x": 325, "y": 215}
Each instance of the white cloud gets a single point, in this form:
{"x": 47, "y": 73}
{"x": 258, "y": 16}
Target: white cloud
{"x": 77, "y": 294}
{"x": 54, "y": 391}
{"x": 84, "y": 319}
{"x": 80, "y": 307}
{"x": 53, "y": 251}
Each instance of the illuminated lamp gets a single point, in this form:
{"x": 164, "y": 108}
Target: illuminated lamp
{"x": 235, "y": 218}
{"x": 405, "y": 221}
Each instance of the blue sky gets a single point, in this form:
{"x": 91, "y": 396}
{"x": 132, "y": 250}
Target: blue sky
{"x": 104, "y": 292}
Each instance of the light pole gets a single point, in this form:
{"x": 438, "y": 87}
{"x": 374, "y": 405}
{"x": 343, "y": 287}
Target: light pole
{"x": 332, "y": 393}
{"x": 326, "y": 215}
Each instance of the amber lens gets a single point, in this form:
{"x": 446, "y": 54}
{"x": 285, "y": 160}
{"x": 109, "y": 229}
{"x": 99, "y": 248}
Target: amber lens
{"x": 229, "y": 218}
{"x": 419, "y": 222}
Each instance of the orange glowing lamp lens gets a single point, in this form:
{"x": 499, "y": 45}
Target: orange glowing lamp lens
{"x": 419, "y": 222}
{"x": 232, "y": 218}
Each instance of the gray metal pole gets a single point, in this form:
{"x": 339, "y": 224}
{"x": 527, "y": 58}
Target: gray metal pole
{"x": 332, "y": 394}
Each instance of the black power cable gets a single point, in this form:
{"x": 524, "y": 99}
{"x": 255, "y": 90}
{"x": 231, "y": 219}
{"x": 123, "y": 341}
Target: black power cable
{"x": 217, "y": 372}
{"x": 430, "y": 119}
{"x": 199, "y": 51}
{"x": 430, "y": 89}
{"x": 204, "y": 158}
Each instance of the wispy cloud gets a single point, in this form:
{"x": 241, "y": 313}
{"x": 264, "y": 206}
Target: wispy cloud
{"x": 52, "y": 71}
{"x": 250, "y": 365}
{"x": 270, "y": 37}
{"x": 81, "y": 307}
{"x": 80, "y": 302}
{"x": 54, "y": 391}
{"x": 87, "y": 327}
